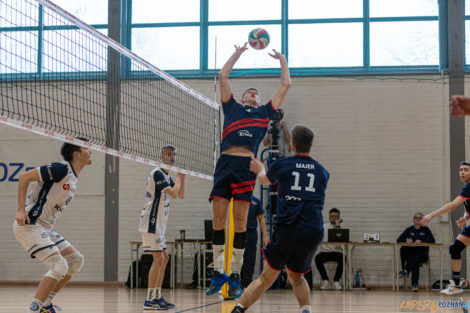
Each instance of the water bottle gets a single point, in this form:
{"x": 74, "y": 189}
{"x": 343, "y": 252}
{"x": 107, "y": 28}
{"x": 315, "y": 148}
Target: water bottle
{"x": 357, "y": 280}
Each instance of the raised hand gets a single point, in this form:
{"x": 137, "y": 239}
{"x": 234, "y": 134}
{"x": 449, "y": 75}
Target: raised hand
{"x": 276, "y": 55}
{"x": 240, "y": 49}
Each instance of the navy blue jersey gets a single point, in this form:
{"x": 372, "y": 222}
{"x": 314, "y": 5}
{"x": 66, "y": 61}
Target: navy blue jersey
{"x": 423, "y": 233}
{"x": 301, "y": 187}
{"x": 255, "y": 210}
{"x": 466, "y": 194}
{"x": 245, "y": 125}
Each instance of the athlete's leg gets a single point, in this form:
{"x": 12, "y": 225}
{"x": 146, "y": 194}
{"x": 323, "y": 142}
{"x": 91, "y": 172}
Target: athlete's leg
{"x": 48, "y": 283}
{"x": 240, "y": 214}
{"x": 460, "y": 243}
{"x": 156, "y": 271}
{"x": 219, "y": 210}
{"x": 300, "y": 288}
{"x": 75, "y": 263}
{"x": 257, "y": 287}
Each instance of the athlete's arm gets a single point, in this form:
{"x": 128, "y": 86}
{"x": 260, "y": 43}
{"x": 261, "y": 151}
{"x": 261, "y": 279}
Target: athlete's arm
{"x": 266, "y": 140}
{"x": 24, "y": 180}
{"x": 262, "y": 224}
{"x": 174, "y": 191}
{"x": 461, "y": 222}
{"x": 181, "y": 192}
{"x": 257, "y": 167}
{"x": 459, "y": 105}
{"x": 448, "y": 207}
{"x": 281, "y": 91}
{"x": 225, "y": 90}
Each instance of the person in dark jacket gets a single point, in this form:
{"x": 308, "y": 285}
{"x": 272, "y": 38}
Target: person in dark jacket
{"x": 411, "y": 257}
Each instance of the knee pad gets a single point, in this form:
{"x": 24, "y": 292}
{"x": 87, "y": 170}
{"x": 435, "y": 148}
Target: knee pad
{"x": 455, "y": 250}
{"x": 75, "y": 262}
{"x": 57, "y": 267}
{"x": 218, "y": 237}
{"x": 239, "y": 240}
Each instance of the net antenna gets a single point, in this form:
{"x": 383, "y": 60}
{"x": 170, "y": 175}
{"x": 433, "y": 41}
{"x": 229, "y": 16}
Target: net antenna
{"x": 53, "y": 82}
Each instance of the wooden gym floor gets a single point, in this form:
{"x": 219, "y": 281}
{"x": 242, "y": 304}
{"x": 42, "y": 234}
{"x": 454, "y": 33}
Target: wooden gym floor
{"x": 116, "y": 299}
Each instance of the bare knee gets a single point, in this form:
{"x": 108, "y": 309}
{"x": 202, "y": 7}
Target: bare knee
{"x": 158, "y": 259}
{"x": 295, "y": 278}
{"x": 219, "y": 210}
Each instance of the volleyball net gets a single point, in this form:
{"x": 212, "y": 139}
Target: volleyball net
{"x": 55, "y": 80}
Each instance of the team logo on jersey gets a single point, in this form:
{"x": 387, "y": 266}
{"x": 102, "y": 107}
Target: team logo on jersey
{"x": 159, "y": 182}
{"x": 153, "y": 220}
{"x": 244, "y": 133}
{"x": 292, "y": 198}
{"x": 44, "y": 235}
{"x": 66, "y": 187}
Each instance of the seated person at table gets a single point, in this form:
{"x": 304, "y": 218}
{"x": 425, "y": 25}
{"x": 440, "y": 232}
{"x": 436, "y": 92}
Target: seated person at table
{"x": 411, "y": 257}
{"x": 328, "y": 253}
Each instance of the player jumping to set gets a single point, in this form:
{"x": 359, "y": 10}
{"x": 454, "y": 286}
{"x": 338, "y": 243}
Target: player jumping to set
{"x": 245, "y": 125}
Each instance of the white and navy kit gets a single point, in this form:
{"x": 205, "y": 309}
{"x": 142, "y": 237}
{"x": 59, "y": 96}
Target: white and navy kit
{"x": 243, "y": 126}
{"x": 302, "y": 183}
{"x": 154, "y": 217}
{"x": 466, "y": 195}
{"x": 44, "y": 203}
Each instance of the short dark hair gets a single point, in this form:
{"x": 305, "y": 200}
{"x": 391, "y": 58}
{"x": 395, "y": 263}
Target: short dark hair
{"x": 68, "y": 149}
{"x": 251, "y": 88}
{"x": 171, "y": 147}
{"x": 302, "y": 138}
{"x": 334, "y": 210}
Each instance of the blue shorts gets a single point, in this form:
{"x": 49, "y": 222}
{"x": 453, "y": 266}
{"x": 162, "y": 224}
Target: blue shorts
{"x": 466, "y": 231}
{"x": 233, "y": 178}
{"x": 292, "y": 246}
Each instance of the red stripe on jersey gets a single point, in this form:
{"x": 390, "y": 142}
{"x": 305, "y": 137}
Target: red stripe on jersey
{"x": 464, "y": 197}
{"x": 248, "y": 182}
{"x": 246, "y": 120}
{"x": 463, "y": 235}
{"x": 243, "y": 190}
{"x": 225, "y": 134}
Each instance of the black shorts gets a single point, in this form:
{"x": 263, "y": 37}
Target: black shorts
{"x": 294, "y": 247}
{"x": 233, "y": 178}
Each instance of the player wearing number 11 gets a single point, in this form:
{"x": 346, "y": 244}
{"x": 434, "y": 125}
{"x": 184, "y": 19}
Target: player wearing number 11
{"x": 302, "y": 184}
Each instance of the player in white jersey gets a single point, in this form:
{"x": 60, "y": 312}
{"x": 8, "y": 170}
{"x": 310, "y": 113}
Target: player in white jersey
{"x": 152, "y": 225}
{"x": 54, "y": 187}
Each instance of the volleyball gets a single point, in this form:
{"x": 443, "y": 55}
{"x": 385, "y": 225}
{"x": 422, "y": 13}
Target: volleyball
{"x": 258, "y": 38}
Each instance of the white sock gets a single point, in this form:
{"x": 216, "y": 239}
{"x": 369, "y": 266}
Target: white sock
{"x": 159, "y": 292}
{"x": 35, "y": 306}
{"x": 151, "y": 294}
{"x": 49, "y": 298}
{"x": 237, "y": 260}
{"x": 218, "y": 257}
{"x": 306, "y": 309}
